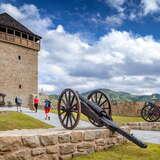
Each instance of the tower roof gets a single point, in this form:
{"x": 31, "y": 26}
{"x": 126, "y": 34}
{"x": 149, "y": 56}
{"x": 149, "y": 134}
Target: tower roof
{"x": 8, "y": 21}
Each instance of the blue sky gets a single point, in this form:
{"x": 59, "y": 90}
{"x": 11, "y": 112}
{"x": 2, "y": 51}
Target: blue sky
{"x": 89, "y": 16}
{"x": 88, "y": 44}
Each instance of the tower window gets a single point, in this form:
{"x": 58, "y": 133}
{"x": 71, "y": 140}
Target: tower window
{"x": 2, "y": 29}
{"x": 10, "y": 31}
{"x": 24, "y": 35}
{"x": 20, "y": 86}
{"x": 19, "y": 57}
{"x": 17, "y": 33}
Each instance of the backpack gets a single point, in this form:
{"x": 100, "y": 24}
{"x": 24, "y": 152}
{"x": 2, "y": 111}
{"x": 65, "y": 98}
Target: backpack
{"x": 47, "y": 104}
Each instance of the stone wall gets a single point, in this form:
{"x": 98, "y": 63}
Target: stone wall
{"x": 148, "y": 126}
{"x": 51, "y": 144}
{"x": 127, "y": 108}
{"x": 15, "y": 72}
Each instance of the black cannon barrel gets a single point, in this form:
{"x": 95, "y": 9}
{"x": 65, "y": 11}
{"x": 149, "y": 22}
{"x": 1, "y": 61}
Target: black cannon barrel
{"x": 111, "y": 125}
{"x": 94, "y": 106}
{"x": 90, "y": 108}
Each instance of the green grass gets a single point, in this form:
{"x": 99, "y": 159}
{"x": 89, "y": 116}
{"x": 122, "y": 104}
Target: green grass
{"x": 124, "y": 119}
{"x": 125, "y": 152}
{"x": 118, "y": 119}
{"x": 14, "y": 120}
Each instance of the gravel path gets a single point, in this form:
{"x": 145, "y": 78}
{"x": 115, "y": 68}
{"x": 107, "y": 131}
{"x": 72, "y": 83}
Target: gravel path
{"x": 54, "y": 121}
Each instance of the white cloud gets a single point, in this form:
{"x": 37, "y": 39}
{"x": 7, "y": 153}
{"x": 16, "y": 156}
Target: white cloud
{"x": 114, "y": 20}
{"x": 150, "y": 6}
{"x": 29, "y": 15}
{"x": 118, "y": 4}
{"x": 118, "y": 60}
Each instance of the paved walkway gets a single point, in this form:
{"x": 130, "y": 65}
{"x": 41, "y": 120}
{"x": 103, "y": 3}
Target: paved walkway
{"x": 54, "y": 121}
{"x": 147, "y": 136}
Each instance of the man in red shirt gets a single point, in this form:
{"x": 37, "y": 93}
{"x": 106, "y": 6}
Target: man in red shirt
{"x": 36, "y": 101}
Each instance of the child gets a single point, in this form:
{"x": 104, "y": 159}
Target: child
{"x": 47, "y": 108}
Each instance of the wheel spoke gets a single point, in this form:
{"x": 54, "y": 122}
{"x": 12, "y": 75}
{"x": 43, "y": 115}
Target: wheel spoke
{"x": 70, "y": 119}
{"x": 92, "y": 99}
{"x": 72, "y": 100}
{"x": 99, "y": 99}
{"x": 66, "y": 97}
{"x": 96, "y": 97}
{"x": 63, "y": 111}
{"x": 103, "y": 103}
{"x": 69, "y": 97}
{"x": 64, "y": 102}
{"x": 73, "y": 106}
{"x": 64, "y": 117}
{"x": 67, "y": 119}
{"x": 73, "y": 116}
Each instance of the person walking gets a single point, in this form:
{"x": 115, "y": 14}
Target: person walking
{"x": 47, "y": 108}
{"x": 18, "y": 102}
{"x": 36, "y": 102}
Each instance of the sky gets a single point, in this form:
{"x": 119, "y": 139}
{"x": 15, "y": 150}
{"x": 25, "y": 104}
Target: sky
{"x": 90, "y": 44}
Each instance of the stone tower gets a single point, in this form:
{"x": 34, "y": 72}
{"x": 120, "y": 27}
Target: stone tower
{"x": 18, "y": 60}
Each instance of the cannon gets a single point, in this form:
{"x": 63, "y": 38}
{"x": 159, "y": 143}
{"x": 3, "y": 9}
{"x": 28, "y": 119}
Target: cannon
{"x": 96, "y": 107}
{"x": 150, "y": 112}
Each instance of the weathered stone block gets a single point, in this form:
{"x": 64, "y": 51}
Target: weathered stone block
{"x": 66, "y": 149}
{"x": 64, "y": 138}
{"x": 10, "y": 143}
{"x": 65, "y": 157}
{"x": 100, "y": 142}
{"x": 89, "y": 135}
{"x": 76, "y": 154}
{"x": 47, "y": 140}
{"x": 38, "y": 151}
{"x": 42, "y": 157}
{"x": 2, "y": 158}
{"x": 85, "y": 146}
{"x": 24, "y": 154}
{"x": 54, "y": 157}
{"x": 76, "y": 137}
{"x": 31, "y": 141}
{"x": 52, "y": 149}
{"x": 105, "y": 133}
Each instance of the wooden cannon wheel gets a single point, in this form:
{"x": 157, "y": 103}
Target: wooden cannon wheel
{"x": 100, "y": 98}
{"x": 69, "y": 109}
{"x": 150, "y": 113}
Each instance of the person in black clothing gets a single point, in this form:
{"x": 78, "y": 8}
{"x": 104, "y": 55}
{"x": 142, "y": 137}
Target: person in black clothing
{"x": 18, "y": 102}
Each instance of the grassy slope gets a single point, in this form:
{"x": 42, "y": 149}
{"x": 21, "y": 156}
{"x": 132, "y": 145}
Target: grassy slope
{"x": 125, "y": 152}
{"x": 15, "y": 120}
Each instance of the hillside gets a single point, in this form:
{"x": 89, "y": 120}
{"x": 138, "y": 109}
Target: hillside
{"x": 125, "y": 96}
{"x": 118, "y": 96}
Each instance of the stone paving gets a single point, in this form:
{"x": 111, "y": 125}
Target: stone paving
{"x": 54, "y": 121}
{"x": 147, "y": 136}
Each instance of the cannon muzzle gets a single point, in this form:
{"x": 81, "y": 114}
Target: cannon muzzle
{"x": 111, "y": 125}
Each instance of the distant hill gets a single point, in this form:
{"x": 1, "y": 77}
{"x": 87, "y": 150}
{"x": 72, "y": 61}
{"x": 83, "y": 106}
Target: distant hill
{"x": 125, "y": 96}
{"x": 118, "y": 96}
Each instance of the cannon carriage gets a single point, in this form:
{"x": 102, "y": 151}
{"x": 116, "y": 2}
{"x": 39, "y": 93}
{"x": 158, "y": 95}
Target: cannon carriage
{"x": 96, "y": 107}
